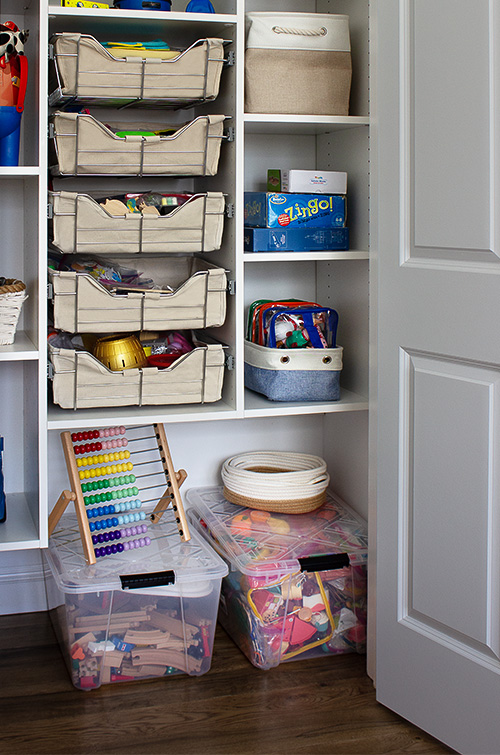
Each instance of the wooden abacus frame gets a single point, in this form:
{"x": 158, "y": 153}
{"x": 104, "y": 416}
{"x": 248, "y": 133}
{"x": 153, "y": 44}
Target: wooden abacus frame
{"x": 171, "y": 495}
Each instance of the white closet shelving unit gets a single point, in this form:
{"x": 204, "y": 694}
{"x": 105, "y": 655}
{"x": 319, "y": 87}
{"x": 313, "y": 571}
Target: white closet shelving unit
{"x": 22, "y": 364}
{"x": 200, "y": 436}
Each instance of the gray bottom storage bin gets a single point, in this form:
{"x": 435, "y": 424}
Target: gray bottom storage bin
{"x": 293, "y": 374}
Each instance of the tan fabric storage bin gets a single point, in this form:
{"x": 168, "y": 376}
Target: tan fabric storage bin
{"x": 85, "y": 70}
{"x": 80, "y": 381}
{"x": 81, "y": 225}
{"x": 83, "y": 305}
{"x": 297, "y": 63}
{"x": 82, "y": 145}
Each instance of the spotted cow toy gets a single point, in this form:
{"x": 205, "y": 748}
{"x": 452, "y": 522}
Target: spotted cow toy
{"x": 12, "y": 41}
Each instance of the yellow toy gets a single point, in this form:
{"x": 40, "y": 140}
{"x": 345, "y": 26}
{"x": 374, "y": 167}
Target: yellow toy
{"x": 82, "y": 4}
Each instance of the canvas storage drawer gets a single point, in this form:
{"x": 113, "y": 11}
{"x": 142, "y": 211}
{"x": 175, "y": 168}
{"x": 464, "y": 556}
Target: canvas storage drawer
{"x": 296, "y": 586}
{"x": 112, "y": 627}
{"x": 297, "y": 63}
{"x": 85, "y": 70}
{"x": 81, "y": 304}
{"x": 79, "y": 224}
{"x": 293, "y": 374}
{"x": 81, "y": 381}
{"x": 82, "y": 145}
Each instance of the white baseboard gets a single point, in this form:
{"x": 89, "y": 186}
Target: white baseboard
{"x": 22, "y": 585}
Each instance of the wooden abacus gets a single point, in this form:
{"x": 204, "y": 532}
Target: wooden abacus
{"x": 91, "y": 455}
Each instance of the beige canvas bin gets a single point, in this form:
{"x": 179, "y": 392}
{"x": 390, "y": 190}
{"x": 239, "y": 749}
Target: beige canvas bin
{"x": 81, "y": 225}
{"x": 80, "y": 381}
{"x": 198, "y": 300}
{"x": 297, "y": 63}
{"x": 85, "y": 70}
{"x": 82, "y": 145}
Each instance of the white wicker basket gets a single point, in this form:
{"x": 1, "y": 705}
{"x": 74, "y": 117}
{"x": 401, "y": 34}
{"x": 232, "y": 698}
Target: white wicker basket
{"x": 12, "y": 296}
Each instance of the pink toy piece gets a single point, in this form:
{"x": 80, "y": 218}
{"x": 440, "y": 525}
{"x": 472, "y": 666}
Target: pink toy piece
{"x": 122, "y": 430}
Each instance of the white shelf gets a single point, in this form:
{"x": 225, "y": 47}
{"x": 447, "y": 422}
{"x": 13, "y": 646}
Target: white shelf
{"x": 18, "y": 532}
{"x": 22, "y": 349}
{"x": 67, "y": 419}
{"x": 19, "y": 171}
{"x": 257, "y": 405}
{"x": 304, "y": 256}
{"x": 266, "y": 123}
{"x": 101, "y": 21}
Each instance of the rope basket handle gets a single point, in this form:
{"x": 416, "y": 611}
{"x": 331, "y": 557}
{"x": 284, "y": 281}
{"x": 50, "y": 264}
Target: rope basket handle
{"x": 322, "y": 32}
{"x": 12, "y": 286}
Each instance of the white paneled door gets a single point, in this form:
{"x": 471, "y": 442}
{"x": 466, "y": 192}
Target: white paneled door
{"x": 437, "y": 126}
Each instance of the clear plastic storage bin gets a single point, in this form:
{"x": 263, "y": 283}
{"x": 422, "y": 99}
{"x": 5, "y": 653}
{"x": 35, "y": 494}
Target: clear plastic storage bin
{"x": 145, "y": 613}
{"x": 296, "y": 586}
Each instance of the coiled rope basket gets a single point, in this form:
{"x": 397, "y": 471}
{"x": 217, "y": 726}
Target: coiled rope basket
{"x": 12, "y": 296}
{"x": 289, "y": 483}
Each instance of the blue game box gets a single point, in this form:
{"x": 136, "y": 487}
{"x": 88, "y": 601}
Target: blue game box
{"x": 268, "y": 210}
{"x": 296, "y": 239}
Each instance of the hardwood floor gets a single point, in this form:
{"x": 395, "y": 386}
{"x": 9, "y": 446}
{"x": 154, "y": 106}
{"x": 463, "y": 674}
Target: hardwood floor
{"x": 321, "y": 706}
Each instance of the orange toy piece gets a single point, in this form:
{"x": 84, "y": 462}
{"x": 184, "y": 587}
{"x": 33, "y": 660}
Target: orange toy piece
{"x": 256, "y": 515}
{"x": 77, "y": 652}
{"x": 241, "y": 524}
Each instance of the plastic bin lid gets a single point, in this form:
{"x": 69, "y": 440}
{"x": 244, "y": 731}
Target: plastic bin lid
{"x": 182, "y": 567}
{"x": 260, "y": 543}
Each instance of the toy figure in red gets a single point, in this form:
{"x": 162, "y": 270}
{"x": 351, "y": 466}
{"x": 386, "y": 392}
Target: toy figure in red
{"x": 13, "y": 81}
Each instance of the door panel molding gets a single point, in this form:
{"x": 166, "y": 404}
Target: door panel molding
{"x": 450, "y": 178}
{"x": 449, "y": 482}
{"x": 463, "y": 646}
